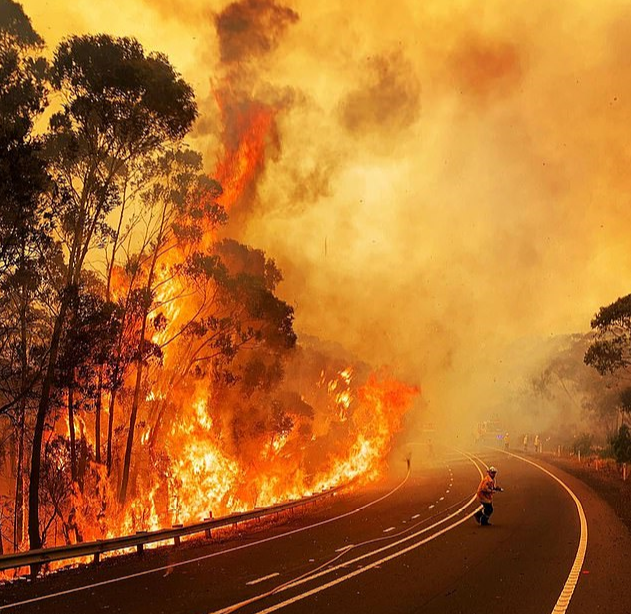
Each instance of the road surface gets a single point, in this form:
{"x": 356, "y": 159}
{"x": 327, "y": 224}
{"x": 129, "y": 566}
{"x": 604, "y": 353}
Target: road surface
{"x": 408, "y": 546}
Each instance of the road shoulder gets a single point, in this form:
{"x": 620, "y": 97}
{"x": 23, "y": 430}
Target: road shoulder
{"x": 603, "y": 584}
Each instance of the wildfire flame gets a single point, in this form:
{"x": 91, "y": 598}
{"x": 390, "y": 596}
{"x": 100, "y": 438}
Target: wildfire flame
{"x": 199, "y": 469}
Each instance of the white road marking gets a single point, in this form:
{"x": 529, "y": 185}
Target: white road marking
{"x": 259, "y": 580}
{"x": 442, "y": 499}
{"x": 342, "y": 549}
{"x": 415, "y": 516}
{"x": 431, "y": 507}
{"x": 570, "y": 584}
{"x": 388, "y": 530}
{"x": 200, "y": 558}
{"x": 377, "y": 564}
{"x": 360, "y": 569}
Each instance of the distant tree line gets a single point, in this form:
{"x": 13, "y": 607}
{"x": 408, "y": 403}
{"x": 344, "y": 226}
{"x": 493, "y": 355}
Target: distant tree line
{"x": 600, "y": 395}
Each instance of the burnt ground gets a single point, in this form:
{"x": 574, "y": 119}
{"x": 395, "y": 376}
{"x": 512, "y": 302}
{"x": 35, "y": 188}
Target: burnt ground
{"x": 609, "y": 486}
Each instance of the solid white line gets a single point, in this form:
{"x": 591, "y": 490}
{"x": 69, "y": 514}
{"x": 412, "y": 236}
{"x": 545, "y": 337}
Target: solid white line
{"x": 200, "y": 558}
{"x": 388, "y": 530}
{"x": 259, "y": 580}
{"x": 328, "y": 570}
{"x": 343, "y": 549}
{"x": 399, "y": 553}
{"x": 570, "y": 584}
{"x": 309, "y": 578}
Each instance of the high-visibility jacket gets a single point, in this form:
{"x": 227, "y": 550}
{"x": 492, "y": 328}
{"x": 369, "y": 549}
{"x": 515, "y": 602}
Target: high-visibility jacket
{"x": 486, "y": 489}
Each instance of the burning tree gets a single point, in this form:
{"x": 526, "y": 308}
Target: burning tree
{"x": 24, "y": 244}
{"x": 126, "y": 298}
{"x": 120, "y": 106}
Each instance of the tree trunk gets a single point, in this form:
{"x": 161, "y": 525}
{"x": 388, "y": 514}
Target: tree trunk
{"x": 73, "y": 439}
{"x": 110, "y": 429}
{"x": 18, "y": 513}
{"x": 134, "y": 413}
{"x": 97, "y": 417}
{"x": 35, "y": 540}
{"x": 99, "y": 391}
{"x": 82, "y": 464}
{"x": 141, "y": 342}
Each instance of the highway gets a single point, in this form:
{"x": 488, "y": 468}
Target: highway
{"x": 408, "y": 545}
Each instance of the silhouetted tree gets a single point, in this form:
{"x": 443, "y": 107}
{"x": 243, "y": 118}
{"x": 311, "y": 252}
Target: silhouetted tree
{"x": 24, "y": 231}
{"x": 610, "y": 351}
{"x": 121, "y": 105}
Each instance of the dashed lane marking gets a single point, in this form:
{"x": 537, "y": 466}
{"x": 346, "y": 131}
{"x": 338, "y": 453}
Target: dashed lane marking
{"x": 388, "y": 530}
{"x": 259, "y": 580}
{"x": 376, "y": 564}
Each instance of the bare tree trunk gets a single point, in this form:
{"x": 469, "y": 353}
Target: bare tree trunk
{"x": 97, "y": 417}
{"x": 82, "y": 464}
{"x": 110, "y": 429}
{"x": 99, "y": 391}
{"x": 73, "y": 439}
{"x": 134, "y": 413}
{"x": 35, "y": 540}
{"x": 141, "y": 342}
{"x": 18, "y": 513}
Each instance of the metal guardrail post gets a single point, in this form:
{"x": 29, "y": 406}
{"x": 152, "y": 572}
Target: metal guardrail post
{"x": 140, "y": 548}
{"x": 176, "y": 539}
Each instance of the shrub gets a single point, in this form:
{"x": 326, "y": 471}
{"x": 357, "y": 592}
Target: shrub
{"x": 621, "y": 444}
{"x": 583, "y": 444}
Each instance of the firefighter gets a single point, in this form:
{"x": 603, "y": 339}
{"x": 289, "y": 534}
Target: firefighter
{"x": 485, "y": 496}
{"x": 537, "y": 444}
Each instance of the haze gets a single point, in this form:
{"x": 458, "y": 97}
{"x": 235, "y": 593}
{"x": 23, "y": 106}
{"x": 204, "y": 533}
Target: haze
{"x": 449, "y": 183}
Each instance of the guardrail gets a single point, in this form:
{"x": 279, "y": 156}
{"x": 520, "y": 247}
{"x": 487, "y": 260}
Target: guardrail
{"x": 36, "y": 558}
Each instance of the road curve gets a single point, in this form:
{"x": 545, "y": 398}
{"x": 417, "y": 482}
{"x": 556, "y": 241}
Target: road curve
{"x": 407, "y": 546}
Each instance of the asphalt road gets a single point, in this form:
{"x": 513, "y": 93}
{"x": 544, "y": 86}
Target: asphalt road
{"x": 407, "y": 546}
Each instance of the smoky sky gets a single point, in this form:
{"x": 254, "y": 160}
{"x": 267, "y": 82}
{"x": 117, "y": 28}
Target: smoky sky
{"x": 387, "y": 97}
{"x": 251, "y": 28}
{"x": 486, "y": 67}
{"x": 445, "y": 180}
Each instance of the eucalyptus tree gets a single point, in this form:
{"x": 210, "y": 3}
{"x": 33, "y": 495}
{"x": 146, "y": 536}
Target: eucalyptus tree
{"x": 119, "y": 106}
{"x": 24, "y": 231}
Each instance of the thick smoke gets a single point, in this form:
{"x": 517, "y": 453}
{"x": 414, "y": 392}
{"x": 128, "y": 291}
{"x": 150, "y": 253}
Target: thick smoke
{"x": 442, "y": 237}
{"x": 251, "y": 28}
{"x": 387, "y": 98}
